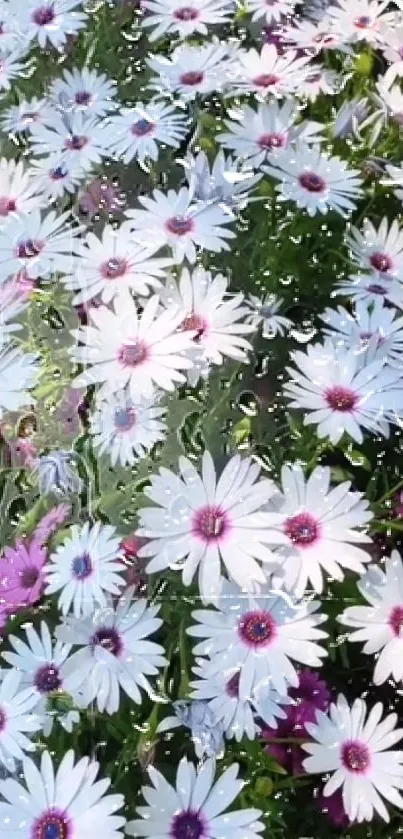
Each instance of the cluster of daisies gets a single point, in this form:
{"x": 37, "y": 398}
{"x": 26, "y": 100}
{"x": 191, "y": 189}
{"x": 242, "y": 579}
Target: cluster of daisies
{"x": 154, "y": 316}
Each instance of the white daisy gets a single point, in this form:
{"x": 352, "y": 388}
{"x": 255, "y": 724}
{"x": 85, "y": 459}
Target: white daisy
{"x": 342, "y": 394}
{"x": 321, "y": 525}
{"x": 175, "y": 220}
{"x": 38, "y": 245}
{"x": 370, "y": 289}
{"x": 304, "y": 34}
{"x": 80, "y": 138}
{"x": 18, "y": 721}
{"x": 174, "y": 17}
{"x": 127, "y": 430}
{"x": 84, "y": 568}
{"x": 39, "y": 661}
{"x": 378, "y": 250}
{"x": 194, "y": 808}
{"x": 391, "y": 41}
{"x": 380, "y": 624}
{"x": 260, "y": 636}
{"x": 266, "y": 313}
{"x": 54, "y": 177}
{"x": 18, "y": 118}
{"x": 84, "y": 90}
{"x": 257, "y": 134}
{"x": 202, "y": 523}
{"x": 10, "y": 33}
{"x": 192, "y": 70}
{"x": 115, "y": 652}
{"x": 137, "y": 132}
{"x": 267, "y": 73}
{"x": 59, "y": 805}
{"x": 213, "y": 315}
{"x": 273, "y": 11}
{"x": 13, "y": 300}
{"x": 107, "y": 265}
{"x": 360, "y": 20}
{"x": 227, "y": 182}
{"x": 314, "y": 180}
{"x": 373, "y": 329}
{"x": 355, "y": 748}
{"x": 238, "y": 716}
{"x": 321, "y": 82}
{"x": 19, "y": 192}
{"x": 395, "y": 179}
{"x": 18, "y": 373}
{"x": 11, "y": 67}
{"x": 140, "y": 352}
{"x": 50, "y": 20}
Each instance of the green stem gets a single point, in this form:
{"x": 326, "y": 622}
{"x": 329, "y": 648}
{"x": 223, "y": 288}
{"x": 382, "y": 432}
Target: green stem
{"x": 390, "y": 493}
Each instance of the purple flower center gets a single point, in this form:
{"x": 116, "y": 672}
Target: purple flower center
{"x": 131, "y": 355}
{"x": 187, "y": 825}
{"x": 232, "y": 686}
{"x": 124, "y": 419}
{"x": 179, "y": 225}
{"x": 381, "y": 261}
{"x": 192, "y": 78}
{"x": 312, "y": 182}
{"x": 82, "y": 567}
{"x": 114, "y": 268}
{"x": 52, "y": 825}
{"x": 142, "y": 127}
{"x": 257, "y": 629}
{"x": 266, "y": 80}
{"x": 194, "y": 323}
{"x": 355, "y": 756}
{"x": 341, "y": 399}
{"x": 58, "y": 174}
{"x": 302, "y": 529}
{"x": 47, "y": 679}
{"x": 109, "y": 639}
{"x": 82, "y": 97}
{"x": 28, "y": 577}
{"x": 210, "y": 523}
{"x": 362, "y": 22}
{"x": 3, "y": 719}
{"x": 272, "y": 141}
{"x": 186, "y": 13}
{"x": 76, "y": 142}
{"x": 44, "y": 15}
{"x": 396, "y": 621}
{"x": 7, "y": 205}
{"x": 29, "y": 248}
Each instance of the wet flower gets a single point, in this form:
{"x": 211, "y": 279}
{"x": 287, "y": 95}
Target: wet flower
{"x": 197, "y": 715}
{"x": 57, "y": 473}
{"x": 101, "y": 196}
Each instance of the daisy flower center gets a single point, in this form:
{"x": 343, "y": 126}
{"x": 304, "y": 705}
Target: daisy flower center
{"x": 131, "y": 355}
{"x": 312, "y": 182}
{"x": 28, "y": 577}
{"x": 3, "y": 719}
{"x": 76, "y": 142}
{"x": 186, "y": 13}
{"x": 179, "y": 225}
{"x": 29, "y": 248}
{"x": 355, "y": 756}
{"x": 114, "y": 268}
{"x": 381, "y": 261}
{"x": 396, "y": 621}
{"x": 82, "y": 566}
{"x": 341, "y": 399}
{"x": 192, "y": 78}
{"x": 7, "y": 205}
{"x": 194, "y": 323}
{"x": 272, "y": 141}
{"x": 266, "y": 80}
{"x": 142, "y": 127}
{"x": 52, "y": 825}
{"x": 47, "y": 679}
{"x": 109, "y": 639}
{"x": 82, "y": 97}
{"x": 302, "y": 529}
{"x": 362, "y": 22}
{"x": 44, "y": 15}
{"x": 187, "y": 825}
{"x": 58, "y": 174}
{"x": 232, "y": 686}
{"x": 257, "y": 629}
{"x": 210, "y": 523}
{"x": 124, "y": 419}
